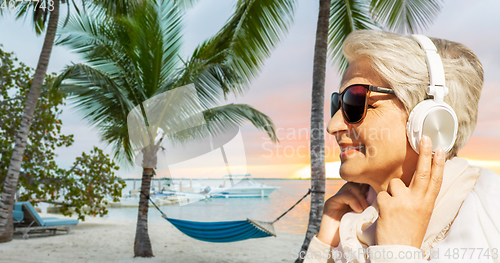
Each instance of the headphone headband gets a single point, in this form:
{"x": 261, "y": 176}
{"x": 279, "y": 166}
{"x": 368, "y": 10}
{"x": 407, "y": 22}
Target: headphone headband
{"x": 437, "y": 87}
{"x": 433, "y": 118}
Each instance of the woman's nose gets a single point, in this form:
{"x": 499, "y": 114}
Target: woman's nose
{"x": 337, "y": 125}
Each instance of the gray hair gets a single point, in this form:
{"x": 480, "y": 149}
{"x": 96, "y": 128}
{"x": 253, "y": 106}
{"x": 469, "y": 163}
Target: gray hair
{"x": 400, "y": 61}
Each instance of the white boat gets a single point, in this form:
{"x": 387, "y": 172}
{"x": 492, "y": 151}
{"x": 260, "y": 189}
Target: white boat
{"x": 246, "y": 187}
{"x": 134, "y": 202}
{"x": 181, "y": 197}
{"x": 178, "y": 185}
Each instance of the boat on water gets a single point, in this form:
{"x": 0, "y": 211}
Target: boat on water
{"x": 181, "y": 197}
{"x": 235, "y": 186}
{"x": 245, "y": 186}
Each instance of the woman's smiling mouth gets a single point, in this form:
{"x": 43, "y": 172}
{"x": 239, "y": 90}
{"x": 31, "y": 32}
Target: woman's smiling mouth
{"x": 350, "y": 150}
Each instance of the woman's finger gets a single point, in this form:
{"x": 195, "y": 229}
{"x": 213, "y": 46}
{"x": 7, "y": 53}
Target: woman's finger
{"x": 350, "y": 199}
{"x": 364, "y": 189}
{"x": 383, "y": 198}
{"x": 359, "y": 191}
{"x": 436, "y": 175}
{"x": 396, "y": 187}
{"x": 420, "y": 180}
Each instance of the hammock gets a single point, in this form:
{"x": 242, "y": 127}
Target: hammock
{"x": 226, "y": 231}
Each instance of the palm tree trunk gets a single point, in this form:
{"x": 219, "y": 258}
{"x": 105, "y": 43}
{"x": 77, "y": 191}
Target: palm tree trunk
{"x": 142, "y": 244}
{"x": 10, "y": 185}
{"x": 317, "y": 127}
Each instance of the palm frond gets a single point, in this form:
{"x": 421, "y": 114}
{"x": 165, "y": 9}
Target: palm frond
{"x": 94, "y": 36}
{"x": 213, "y": 80}
{"x": 39, "y": 15}
{"x": 170, "y": 112}
{"x": 129, "y": 59}
{"x": 346, "y": 17}
{"x": 120, "y": 46}
{"x": 219, "y": 119}
{"x": 95, "y": 92}
{"x": 254, "y": 29}
{"x": 93, "y": 39}
{"x": 133, "y": 60}
{"x": 68, "y": 12}
{"x": 153, "y": 52}
{"x": 223, "y": 120}
{"x": 405, "y": 16}
{"x": 115, "y": 7}
{"x": 226, "y": 62}
{"x": 101, "y": 101}
{"x": 117, "y": 135}
{"x": 185, "y": 4}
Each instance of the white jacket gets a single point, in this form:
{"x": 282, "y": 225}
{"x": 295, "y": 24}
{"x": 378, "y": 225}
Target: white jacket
{"x": 473, "y": 236}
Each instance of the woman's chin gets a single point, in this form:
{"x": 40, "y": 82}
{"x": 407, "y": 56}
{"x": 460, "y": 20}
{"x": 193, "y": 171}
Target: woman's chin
{"x": 350, "y": 171}
{"x": 348, "y": 176}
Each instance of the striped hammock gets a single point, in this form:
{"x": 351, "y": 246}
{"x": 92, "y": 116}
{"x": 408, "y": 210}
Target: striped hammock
{"x": 226, "y": 231}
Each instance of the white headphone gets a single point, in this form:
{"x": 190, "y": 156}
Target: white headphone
{"x": 433, "y": 117}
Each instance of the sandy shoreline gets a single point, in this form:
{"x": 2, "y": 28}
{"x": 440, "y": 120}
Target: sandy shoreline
{"x": 106, "y": 240}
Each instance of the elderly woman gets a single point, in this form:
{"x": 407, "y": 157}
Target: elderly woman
{"x": 400, "y": 205}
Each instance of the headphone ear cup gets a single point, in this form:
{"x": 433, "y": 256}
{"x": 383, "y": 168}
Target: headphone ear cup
{"x": 437, "y": 121}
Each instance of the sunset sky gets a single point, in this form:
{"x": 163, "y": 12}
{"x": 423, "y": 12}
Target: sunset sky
{"x": 283, "y": 88}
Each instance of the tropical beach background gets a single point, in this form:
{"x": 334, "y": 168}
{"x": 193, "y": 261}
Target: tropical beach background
{"x": 281, "y": 91}
{"x": 231, "y": 209}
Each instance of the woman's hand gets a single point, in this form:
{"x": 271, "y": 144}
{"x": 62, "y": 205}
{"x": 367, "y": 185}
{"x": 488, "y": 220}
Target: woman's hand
{"x": 351, "y": 197}
{"x": 405, "y": 212}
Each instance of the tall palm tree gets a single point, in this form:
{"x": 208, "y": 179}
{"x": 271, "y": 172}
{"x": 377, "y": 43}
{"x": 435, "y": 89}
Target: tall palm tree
{"x": 40, "y": 10}
{"x": 131, "y": 59}
{"x": 336, "y": 20}
{"x": 12, "y": 178}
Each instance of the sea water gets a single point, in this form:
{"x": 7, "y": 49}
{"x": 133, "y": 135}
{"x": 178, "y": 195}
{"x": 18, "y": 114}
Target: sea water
{"x": 229, "y": 209}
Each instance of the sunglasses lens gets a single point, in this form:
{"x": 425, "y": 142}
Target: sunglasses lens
{"x": 335, "y": 105}
{"x": 353, "y": 103}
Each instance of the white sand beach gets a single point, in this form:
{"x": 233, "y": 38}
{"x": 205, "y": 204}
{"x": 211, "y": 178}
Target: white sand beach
{"x": 106, "y": 240}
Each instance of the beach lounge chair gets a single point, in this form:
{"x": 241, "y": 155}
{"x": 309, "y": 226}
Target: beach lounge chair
{"x": 27, "y": 220}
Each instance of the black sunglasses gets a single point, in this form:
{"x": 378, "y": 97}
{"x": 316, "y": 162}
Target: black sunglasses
{"x": 354, "y": 101}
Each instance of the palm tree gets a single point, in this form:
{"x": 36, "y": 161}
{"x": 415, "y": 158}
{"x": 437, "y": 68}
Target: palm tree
{"x": 336, "y": 20}
{"x": 40, "y": 11}
{"x": 131, "y": 59}
{"x": 12, "y": 178}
